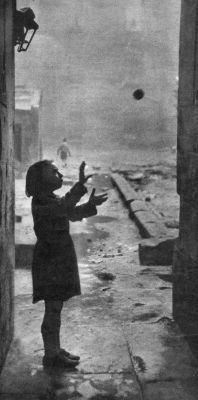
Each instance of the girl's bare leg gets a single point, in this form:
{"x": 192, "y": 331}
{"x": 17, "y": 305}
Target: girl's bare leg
{"x": 50, "y": 327}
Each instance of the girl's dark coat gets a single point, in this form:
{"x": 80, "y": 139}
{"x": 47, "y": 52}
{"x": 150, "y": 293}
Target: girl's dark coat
{"x": 54, "y": 269}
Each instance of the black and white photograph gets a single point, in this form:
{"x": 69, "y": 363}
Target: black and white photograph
{"x": 98, "y": 199}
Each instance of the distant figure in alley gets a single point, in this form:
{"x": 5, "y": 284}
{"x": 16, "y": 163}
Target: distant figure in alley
{"x": 63, "y": 151}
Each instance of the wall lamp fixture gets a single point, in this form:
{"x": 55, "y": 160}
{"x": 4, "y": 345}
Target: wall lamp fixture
{"x": 24, "y": 28}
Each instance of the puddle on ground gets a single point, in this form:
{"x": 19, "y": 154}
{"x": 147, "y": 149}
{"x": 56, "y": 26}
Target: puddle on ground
{"x": 145, "y": 316}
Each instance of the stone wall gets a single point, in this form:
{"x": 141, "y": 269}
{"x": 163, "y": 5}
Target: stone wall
{"x": 6, "y": 176}
{"x": 185, "y": 268}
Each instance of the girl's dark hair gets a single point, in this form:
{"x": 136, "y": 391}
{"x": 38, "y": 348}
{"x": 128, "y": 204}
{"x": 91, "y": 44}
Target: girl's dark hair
{"x": 34, "y": 178}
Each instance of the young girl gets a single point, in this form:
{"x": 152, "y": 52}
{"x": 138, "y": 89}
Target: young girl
{"x": 54, "y": 267}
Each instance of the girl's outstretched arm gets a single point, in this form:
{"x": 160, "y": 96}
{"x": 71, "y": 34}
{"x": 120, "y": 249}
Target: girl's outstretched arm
{"x": 87, "y": 209}
{"x": 82, "y": 178}
{"x": 78, "y": 190}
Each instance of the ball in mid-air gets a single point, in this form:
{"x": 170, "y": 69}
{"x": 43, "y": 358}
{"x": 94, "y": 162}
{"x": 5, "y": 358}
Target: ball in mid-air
{"x": 138, "y": 94}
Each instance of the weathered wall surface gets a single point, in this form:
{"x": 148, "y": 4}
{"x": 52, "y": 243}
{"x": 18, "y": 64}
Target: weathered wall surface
{"x": 6, "y": 176}
{"x": 27, "y": 133}
{"x": 185, "y": 269}
{"x": 28, "y": 142}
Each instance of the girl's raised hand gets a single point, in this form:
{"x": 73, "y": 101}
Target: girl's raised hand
{"x": 97, "y": 200}
{"x": 82, "y": 178}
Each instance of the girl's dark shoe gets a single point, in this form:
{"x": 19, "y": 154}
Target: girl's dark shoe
{"x": 69, "y": 355}
{"x": 59, "y": 361}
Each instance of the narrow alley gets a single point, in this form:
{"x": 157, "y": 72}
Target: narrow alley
{"x": 113, "y": 83}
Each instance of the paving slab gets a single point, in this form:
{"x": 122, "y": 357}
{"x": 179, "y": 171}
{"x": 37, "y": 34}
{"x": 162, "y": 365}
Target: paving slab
{"x": 177, "y": 390}
{"x": 21, "y": 373}
{"x": 160, "y": 352}
{"x": 99, "y": 355}
{"x": 105, "y": 371}
{"x": 68, "y": 385}
{"x": 100, "y": 343}
{"x": 101, "y": 386}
